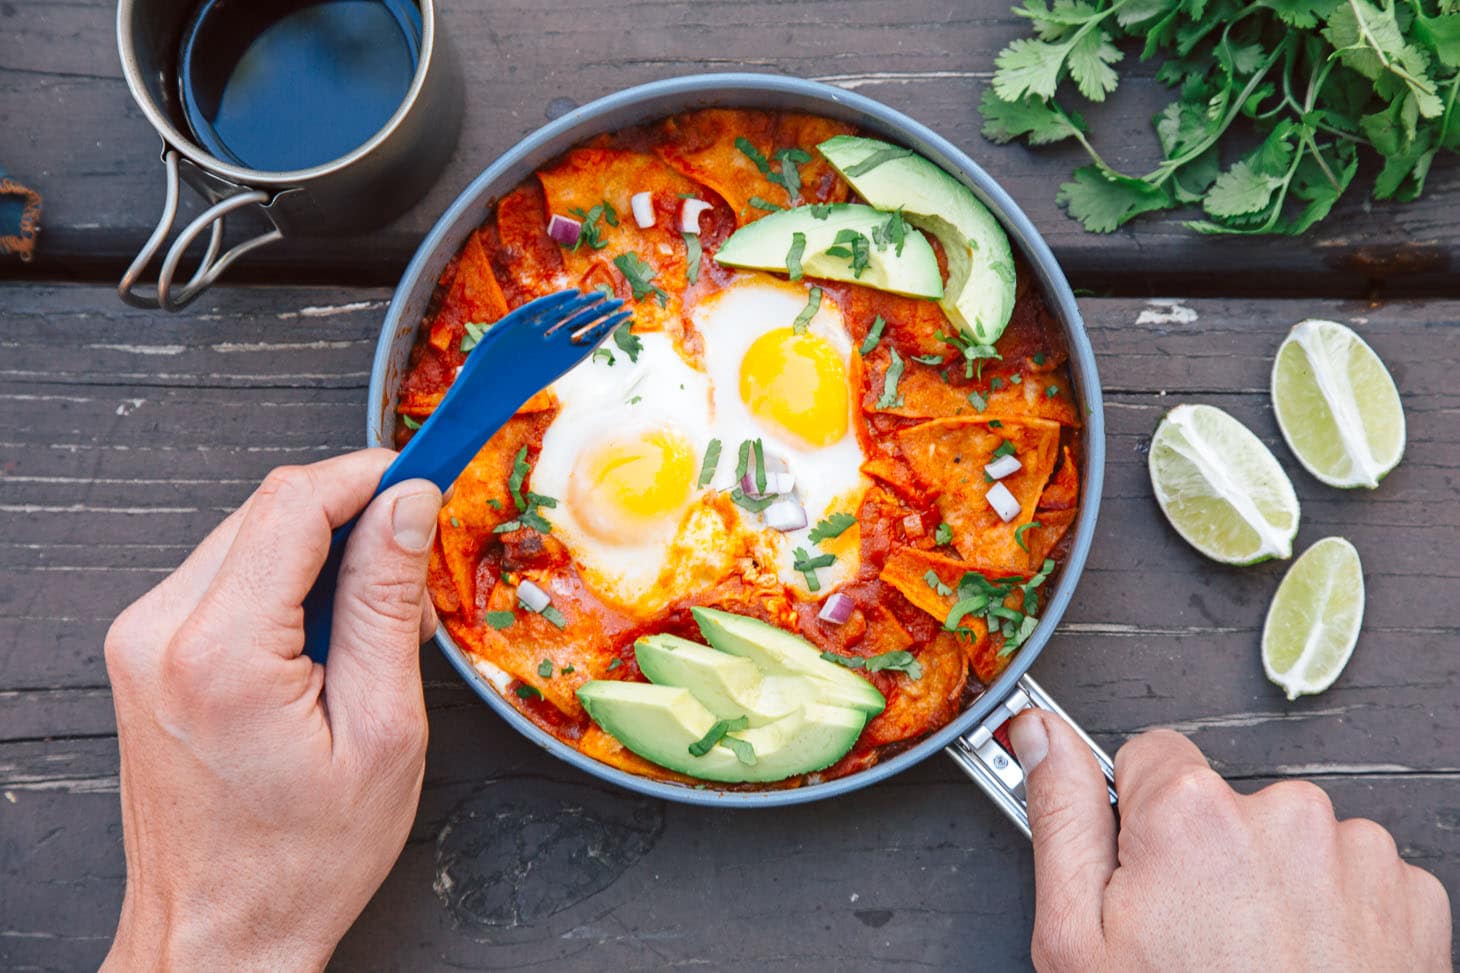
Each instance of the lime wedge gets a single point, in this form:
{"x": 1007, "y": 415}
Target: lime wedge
{"x": 1337, "y": 405}
{"x": 1314, "y": 619}
{"x": 1221, "y": 488}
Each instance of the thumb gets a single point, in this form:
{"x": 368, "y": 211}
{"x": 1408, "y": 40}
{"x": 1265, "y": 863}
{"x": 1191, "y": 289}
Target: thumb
{"x": 1074, "y": 840}
{"x": 373, "y": 676}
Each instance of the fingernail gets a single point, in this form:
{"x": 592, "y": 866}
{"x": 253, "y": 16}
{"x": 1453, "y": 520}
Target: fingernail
{"x": 1031, "y": 742}
{"x": 414, "y": 519}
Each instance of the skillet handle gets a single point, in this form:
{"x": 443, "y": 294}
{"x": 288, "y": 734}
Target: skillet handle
{"x": 994, "y": 768}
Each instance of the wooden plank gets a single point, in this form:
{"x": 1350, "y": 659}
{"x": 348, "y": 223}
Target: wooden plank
{"x": 526, "y": 62}
{"x": 516, "y": 861}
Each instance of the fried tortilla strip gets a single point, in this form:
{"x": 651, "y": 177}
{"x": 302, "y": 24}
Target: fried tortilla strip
{"x": 599, "y": 745}
{"x": 916, "y": 707}
{"x": 1063, "y": 491}
{"x": 529, "y": 263}
{"x": 475, "y": 297}
{"x": 1052, "y": 525}
{"x": 820, "y": 183}
{"x": 521, "y": 649}
{"x": 480, "y": 501}
{"x": 948, "y": 456}
{"x": 588, "y": 177}
{"x": 925, "y": 395}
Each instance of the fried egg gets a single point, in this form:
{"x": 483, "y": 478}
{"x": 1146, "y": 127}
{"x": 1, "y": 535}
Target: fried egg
{"x": 622, "y": 459}
{"x": 791, "y": 391}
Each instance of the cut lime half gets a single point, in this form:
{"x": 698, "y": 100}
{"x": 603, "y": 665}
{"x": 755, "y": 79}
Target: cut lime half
{"x": 1313, "y": 622}
{"x": 1337, "y": 405}
{"x": 1221, "y": 488}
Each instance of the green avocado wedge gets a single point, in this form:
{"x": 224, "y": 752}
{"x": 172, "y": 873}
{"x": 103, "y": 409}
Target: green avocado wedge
{"x": 728, "y": 685}
{"x": 662, "y": 723}
{"x": 767, "y": 243}
{"x": 779, "y": 653}
{"x": 979, "y": 296}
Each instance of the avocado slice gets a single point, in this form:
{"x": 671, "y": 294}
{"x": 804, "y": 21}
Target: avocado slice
{"x": 779, "y": 653}
{"x": 979, "y": 297}
{"x": 765, "y": 244}
{"x": 660, "y": 723}
{"x": 728, "y": 685}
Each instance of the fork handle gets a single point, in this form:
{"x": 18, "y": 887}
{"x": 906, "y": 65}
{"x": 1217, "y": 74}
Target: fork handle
{"x": 422, "y": 458}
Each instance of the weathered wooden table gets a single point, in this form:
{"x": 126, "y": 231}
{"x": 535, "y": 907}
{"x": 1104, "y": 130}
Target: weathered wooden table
{"x": 127, "y": 435}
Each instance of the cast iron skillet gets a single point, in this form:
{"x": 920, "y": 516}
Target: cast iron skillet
{"x": 968, "y": 739}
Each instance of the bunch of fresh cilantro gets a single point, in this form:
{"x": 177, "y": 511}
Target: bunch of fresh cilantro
{"x": 1274, "y": 100}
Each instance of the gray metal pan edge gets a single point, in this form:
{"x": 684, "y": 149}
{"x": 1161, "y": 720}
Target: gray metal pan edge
{"x": 658, "y": 99}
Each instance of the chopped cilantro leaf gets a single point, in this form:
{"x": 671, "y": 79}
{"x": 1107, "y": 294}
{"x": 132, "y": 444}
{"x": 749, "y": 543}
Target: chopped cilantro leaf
{"x": 743, "y": 466}
{"x": 603, "y": 355}
{"x": 790, "y": 176}
{"x": 813, "y": 304}
{"x": 1006, "y": 448}
{"x": 712, "y": 459}
{"x": 1016, "y": 379}
{"x": 874, "y": 335}
{"x": 1052, "y": 391}
{"x": 858, "y": 251}
{"x": 943, "y": 535}
{"x": 979, "y": 402}
{"x": 744, "y": 750}
{"x": 820, "y": 211}
{"x": 528, "y": 692}
{"x": 473, "y": 336}
{"x": 1023, "y": 529}
{"x": 693, "y": 252}
{"x": 880, "y": 157}
{"x": 889, "y": 398}
{"x": 500, "y": 620}
{"x": 936, "y": 583}
{"x": 1039, "y": 358}
{"x": 745, "y": 502}
{"x": 717, "y": 733}
{"x": 760, "y": 471}
{"x": 832, "y": 526}
{"x": 793, "y": 256}
{"x": 893, "y": 232}
{"x": 520, "y": 469}
{"x": 554, "y": 616}
{"x": 409, "y": 423}
{"x": 455, "y": 522}
{"x": 615, "y": 664}
{"x": 805, "y": 562}
{"x": 627, "y": 341}
{"x": 748, "y": 149}
{"x": 640, "y": 277}
{"x": 545, "y": 669}
{"x": 759, "y": 202}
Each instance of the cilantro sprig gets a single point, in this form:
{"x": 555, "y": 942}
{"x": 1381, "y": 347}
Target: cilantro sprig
{"x": 978, "y": 597}
{"x": 1316, "y": 79}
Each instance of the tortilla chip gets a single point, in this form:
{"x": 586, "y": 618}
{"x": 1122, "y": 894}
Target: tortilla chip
{"x": 440, "y": 582}
{"x": 820, "y": 183}
{"x": 948, "y": 456}
{"x": 925, "y": 395}
{"x": 598, "y": 744}
{"x": 480, "y": 501}
{"x": 530, "y": 264}
{"x": 587, "y": 177}
{"x": 1031, "y": 398}
{"x": 521, "y": 648}
{"x": 475, "y": 296}
{"x": 918, "y": 706}
{"x": 896, "y": 475}
{"x": 1052, "y": 526}
{"x": 1063, "y": 491}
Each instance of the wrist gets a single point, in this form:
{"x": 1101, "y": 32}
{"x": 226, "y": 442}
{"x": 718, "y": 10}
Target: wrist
{"x": 205, "y": 936}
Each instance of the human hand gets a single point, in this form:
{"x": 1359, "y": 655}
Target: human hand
{"x": 1203, "y": 878}
{"x": 265, "y": 797}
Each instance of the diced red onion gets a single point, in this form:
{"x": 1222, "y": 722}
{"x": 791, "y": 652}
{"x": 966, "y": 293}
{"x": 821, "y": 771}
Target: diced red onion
{"x": 564, "y": 230}
{"x": 1003, "y": 466}
{"x": 913, "y": 525}
{"x": 643, "y": 207}
{"x": 1003, "y": 502}
{"x": 689, "y": 215}
{"x": 836, "y": 609}
{"x": 785, "y": 514}
{"x": 533, "y": 598}
{"x": 776, "y": 484}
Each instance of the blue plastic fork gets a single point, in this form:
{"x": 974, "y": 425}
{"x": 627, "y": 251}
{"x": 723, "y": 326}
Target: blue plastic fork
{"x": 516, "y": 358}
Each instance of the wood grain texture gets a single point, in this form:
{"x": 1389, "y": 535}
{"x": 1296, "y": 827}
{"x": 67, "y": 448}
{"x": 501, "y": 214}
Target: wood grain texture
{"x": 127, "y": 435}
{"x": 74, "y": 134}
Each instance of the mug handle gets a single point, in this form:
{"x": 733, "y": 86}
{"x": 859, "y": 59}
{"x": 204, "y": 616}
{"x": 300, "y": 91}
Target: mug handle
{"x": 994, "y": 769}
{"x": 211, "y": 265}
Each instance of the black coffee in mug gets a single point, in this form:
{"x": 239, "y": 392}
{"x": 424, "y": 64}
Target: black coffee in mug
{"x": 281, "y": 85}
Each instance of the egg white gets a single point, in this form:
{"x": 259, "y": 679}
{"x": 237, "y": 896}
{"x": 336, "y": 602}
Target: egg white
{"x": 827, "y": 480}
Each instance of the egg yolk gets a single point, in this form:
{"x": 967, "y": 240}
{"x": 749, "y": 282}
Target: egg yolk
{"x": 796, "y": 383}
{"x": 624, "y": 484}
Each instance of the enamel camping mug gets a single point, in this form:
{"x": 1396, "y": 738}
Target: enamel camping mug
{"x": 362, "y": 187}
